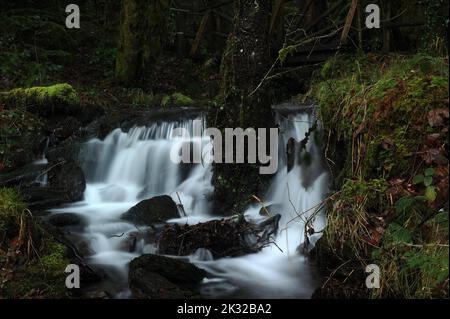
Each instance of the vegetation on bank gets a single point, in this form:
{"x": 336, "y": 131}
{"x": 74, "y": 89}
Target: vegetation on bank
{"x": 386, "y": 123}
{"x": 32, "y": 261}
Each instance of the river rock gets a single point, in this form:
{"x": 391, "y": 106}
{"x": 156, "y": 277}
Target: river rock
{"x": 65, "y": 220}
{"x": 70, "y": 177}
{"x": 65, "y": 184}
{"x": 66, "y": 128}
{"x": 160, "y": 277}
{"x": 66, "y": 151}
{"x": 152, "y": 211}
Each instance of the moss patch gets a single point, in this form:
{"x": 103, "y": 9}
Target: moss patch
{"x": 179, "y": 99}
{"x": 48, "y": 100}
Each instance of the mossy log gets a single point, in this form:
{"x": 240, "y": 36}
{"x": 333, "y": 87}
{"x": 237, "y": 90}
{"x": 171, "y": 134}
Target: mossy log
{"x": 49, "y": 100}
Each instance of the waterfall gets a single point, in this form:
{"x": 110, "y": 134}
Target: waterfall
{"x": 127, "y": 167}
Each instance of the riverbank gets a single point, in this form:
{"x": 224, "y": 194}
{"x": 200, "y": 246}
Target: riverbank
{"x": 386, "y": 130}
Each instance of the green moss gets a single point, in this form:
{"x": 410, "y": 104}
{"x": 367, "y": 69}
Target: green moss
{"x": 55, "y": 261}
{"x": 32, "y": 261}
{"x": 44, "y": 278}
{"x": 58, "y": 98}
{"x": 414, "y": 271}
{"x": 384, "y": 110}
{"x": 179, "y": 99}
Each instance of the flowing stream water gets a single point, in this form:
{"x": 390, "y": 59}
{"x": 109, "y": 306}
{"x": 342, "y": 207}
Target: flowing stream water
{"x": 127, "y": 167}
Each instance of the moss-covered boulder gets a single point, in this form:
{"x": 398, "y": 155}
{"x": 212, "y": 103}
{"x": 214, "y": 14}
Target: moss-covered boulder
{"x": 176, "y": 99}
{"x": 179, "y": 99}
{"x": 43, "y": 100}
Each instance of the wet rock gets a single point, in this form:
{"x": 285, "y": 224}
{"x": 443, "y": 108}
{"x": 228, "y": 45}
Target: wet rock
{"x": 291, "y": 151}
{"x": 151, "y": 211}
{"x": 39, "y": 198}
{"x": 131, "y": 241}
{"x": 65, "y": 220}
{"x": 226, "y": 237}
{"x": 65, "y": 184}
{"x": 26, "y": 175}
{"x": 66, "y": 128}
{"x": 69, "y": 177}
{"x": 66, "y": 151}
{"x": 79, "y": 244}
{"x": 159, "y": 277}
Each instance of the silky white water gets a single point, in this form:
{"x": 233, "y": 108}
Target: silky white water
{"x": 125, "y": 168}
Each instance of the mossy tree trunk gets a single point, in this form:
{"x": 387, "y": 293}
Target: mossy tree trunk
{"x": 142, "y": 33}
{"x": 246, "y": 104}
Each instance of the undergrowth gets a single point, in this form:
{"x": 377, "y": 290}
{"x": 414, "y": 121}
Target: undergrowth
{"x": 386, "y": 125}
{"x": 31, "y": 260}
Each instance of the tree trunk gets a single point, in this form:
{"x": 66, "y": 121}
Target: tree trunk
{"x": 245, "y": 62}
{"x": 142, "y": 32}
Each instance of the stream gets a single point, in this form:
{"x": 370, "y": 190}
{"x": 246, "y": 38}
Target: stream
{"x": 127, "y": 167}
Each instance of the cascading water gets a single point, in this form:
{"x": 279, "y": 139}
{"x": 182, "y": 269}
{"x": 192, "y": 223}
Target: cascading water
{"x": 126, "y": 168}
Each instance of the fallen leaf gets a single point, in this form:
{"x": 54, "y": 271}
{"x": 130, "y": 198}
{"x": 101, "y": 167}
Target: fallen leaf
{"x": 433, "y": 155}
{"x": 436, "y": 117}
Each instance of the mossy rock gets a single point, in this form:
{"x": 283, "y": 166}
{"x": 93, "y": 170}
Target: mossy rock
{"x": 179, "y": 99}
{"x": 49, "y": 100}
{"x": 176, "y": 99}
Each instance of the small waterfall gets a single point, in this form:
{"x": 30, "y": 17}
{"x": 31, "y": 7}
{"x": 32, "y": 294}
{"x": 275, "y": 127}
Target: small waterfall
{"x": 279, "y": 271}
{"x": 127, "y": 167}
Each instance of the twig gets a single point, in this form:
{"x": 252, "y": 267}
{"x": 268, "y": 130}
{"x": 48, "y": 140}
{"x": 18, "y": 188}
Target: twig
{"x": 262, "y": 204}
{"x": 183, "y": 212}
{"x": 118, "y": 236}
{"x": 49, "y": 169}
{"x": 334, "y": 272}
{"x": 265, "y": 77}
